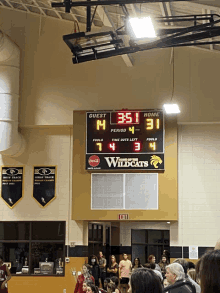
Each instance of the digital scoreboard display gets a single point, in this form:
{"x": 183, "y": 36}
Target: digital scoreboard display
{"x": 125, "y": 140}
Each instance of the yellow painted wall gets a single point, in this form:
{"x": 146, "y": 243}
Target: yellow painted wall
{"x": 81, "y": 201}
{"x": 41, "y": 284}
{"x": 187, "y": 259}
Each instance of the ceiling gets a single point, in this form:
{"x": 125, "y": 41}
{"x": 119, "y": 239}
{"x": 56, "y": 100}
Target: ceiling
{"x": 113, "y": 15}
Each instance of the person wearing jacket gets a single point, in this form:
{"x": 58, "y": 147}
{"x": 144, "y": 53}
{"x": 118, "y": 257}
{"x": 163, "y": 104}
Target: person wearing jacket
{"x": 95, "y": 269}
{"x": 175, "y": 275}
{"x": 85, "y": 276}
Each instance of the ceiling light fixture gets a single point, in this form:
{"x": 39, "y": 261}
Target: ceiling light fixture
{"x": 171, "y": 108}
{"x": 142, "y": 27}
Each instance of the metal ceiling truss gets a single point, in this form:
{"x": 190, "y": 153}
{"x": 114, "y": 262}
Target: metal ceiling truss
{"x": 123, "y": 4}
{"x": 68, "y": 3}
{"x": 186, "y": 30}
{"x": 203, "y": 30}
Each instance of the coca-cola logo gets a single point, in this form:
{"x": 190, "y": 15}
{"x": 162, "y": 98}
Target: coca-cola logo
{"x": 94, "y": 161}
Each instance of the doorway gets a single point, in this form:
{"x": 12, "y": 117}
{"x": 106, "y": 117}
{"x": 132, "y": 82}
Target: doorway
{"x": 99, "y": 239}
{"x": 145, "y": 242}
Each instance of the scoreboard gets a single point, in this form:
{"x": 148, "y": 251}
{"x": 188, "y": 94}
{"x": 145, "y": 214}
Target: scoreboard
{"x": 125, "y": 140}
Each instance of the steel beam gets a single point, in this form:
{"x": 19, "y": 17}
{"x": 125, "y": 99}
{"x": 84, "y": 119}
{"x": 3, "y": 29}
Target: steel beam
{"x": 108, "y": 2}
{"x": 104, "y": 15}
{"x": 88, "y": 17}
{"x": 167, "y": 4}
{"x": 211, "y": 46}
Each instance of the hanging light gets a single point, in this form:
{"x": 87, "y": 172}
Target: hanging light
{"x": 142, "y": 27}
{"x": 171, "y": 108}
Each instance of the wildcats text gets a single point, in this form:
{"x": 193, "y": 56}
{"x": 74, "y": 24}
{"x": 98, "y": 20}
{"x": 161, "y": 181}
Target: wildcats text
{"x": 118, "y": 162}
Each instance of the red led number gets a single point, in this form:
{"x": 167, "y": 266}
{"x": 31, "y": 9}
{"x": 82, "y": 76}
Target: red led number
{"x": 137, "y": 117}
{"x": 128, "y": 118}
{"x": 120, "y": 118}
{"x": 137, "y": 146}
{"x": 124, "y": 118}
{"x": 112, "y": 146}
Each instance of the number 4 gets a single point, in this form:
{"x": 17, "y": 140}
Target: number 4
{"x": 111, "y": 146}
{"x": 152, "y": 145}
{"x": 131, "y": 129}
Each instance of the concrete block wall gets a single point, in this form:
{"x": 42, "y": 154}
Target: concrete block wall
{"x": 198, "y": 186}
{"x": 50, "y": 146}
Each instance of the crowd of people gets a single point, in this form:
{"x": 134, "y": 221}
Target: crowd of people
{"x": 180, "y": 276}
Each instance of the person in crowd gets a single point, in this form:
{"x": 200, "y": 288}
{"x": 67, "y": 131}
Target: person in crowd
{"x": 147, "y": 265}
{"x": 125, "y": 267}
{"x": 162, "y": 264}
{"x": 91, "y": 288}
{"x": 85, "y": 284}
{"x": 192, "y": 274}
{"x": 106, "y": 281}
{"x": 102, "y": 266}
{"x": 191, "y": 265}
{"x": 184, "y": 264}
{"x": 111, "y": 288}
{"x": 166, "y": 252}
{"x": 152, "y": 259}
{"x": 112, "y": 270}
{"x": 165, "y": 283}
{"x": 153, "y": 266}
{"x": 136, "y": 264}
{"x": 175, "y": 275}
{"x": 5, "y": 276}
{"x": 197, "y": 271}
{"x": 93, "y": 262}
{"x": 115, "y": 280}
{"x": 85, "y": 276}
{"x": 144, "y": 280}
{"x": 209, "y": 271}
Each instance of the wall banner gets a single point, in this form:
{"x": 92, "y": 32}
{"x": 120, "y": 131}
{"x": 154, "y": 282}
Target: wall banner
{"x": 44, "y": 189}
{"x": 11, "y": 185}
{"x": 193, "y": 252}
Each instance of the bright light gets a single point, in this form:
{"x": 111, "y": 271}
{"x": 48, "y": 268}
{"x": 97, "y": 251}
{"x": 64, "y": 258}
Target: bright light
{"x": 142, "y": 27}
{"x": 171, "y": 108}
{"x": 168, "y": 222}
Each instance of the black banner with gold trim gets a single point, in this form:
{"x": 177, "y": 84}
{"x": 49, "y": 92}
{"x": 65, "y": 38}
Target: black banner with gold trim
{"x": 44, "y": 184}
{"x": 12, "y": 180}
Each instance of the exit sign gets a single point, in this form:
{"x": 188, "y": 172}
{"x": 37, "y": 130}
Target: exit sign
{"x": 123, "y": 217}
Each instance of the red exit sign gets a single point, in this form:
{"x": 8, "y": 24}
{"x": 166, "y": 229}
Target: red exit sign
{"x": 123, "y": 216}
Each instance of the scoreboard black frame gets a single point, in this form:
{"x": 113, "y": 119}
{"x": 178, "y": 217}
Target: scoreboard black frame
{"x": 125, "y": 139}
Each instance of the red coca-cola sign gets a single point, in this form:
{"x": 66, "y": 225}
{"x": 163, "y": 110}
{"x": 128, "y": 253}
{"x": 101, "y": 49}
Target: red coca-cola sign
{"x": 94, "y": 161}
